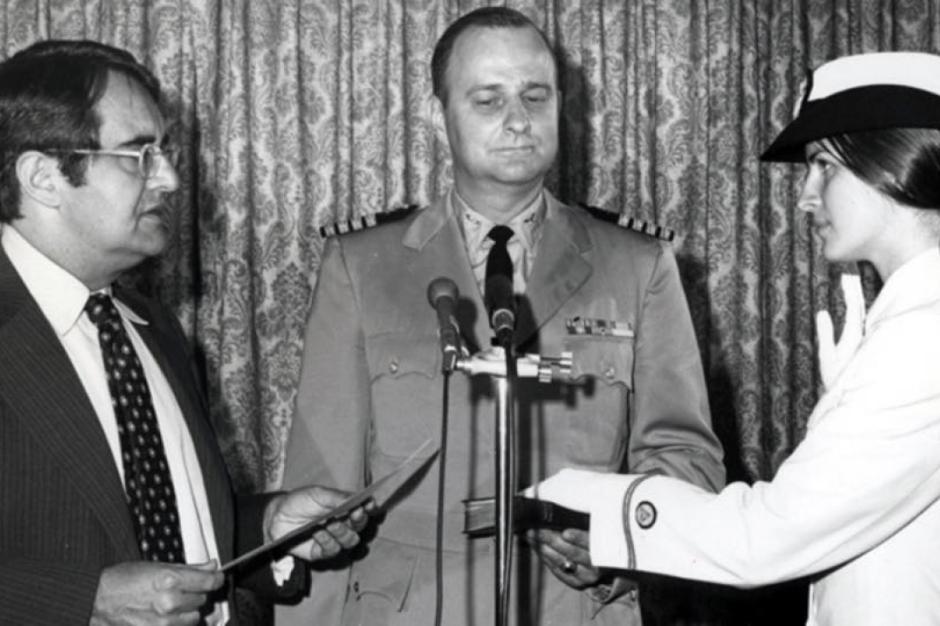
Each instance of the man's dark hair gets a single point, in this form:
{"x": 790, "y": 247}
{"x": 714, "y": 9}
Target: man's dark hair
{"x": 48, "y": 94}
{"x": 486, "y": 17}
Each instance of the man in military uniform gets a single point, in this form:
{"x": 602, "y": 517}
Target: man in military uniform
{"x": 371, "y": 379}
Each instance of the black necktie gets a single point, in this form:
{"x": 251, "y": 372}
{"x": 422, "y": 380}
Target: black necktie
{"x": 498, "y": 260}
{"x": 147, "y": 480}
{"x": 497, "y": 287}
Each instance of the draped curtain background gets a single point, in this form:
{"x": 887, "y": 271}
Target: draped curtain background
{"x": 294, "y": 114}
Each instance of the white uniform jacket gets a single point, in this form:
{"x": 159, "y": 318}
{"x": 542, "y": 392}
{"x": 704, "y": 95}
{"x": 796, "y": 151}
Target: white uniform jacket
{"x": 856, "y": 504}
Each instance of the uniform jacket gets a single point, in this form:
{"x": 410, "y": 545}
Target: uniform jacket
{"x": 370, "y": 394}
{"x": 63, "y": 513}
{"x": 856, "y": 506}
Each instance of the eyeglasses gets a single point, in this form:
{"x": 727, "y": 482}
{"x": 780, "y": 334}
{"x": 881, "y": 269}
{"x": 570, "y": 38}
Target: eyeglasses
{"x": 148, "y": 156}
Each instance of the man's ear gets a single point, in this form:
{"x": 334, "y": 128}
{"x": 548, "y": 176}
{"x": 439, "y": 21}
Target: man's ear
{"x": 39, "y": 177}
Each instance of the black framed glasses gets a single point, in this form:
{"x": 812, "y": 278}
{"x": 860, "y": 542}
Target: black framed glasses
{"x": 148, "y": 156}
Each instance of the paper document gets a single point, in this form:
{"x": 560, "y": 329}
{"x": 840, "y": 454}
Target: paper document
{"x": 386, "y": 484}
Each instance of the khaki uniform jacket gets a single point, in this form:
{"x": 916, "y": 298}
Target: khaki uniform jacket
{"x": 370, "y": 394}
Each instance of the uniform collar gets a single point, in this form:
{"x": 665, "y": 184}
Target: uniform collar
{"x": 912, "y": 285}
{"x": 527, "y": 225}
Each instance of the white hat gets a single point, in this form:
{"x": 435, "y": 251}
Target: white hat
{"x": 862, "y": 92}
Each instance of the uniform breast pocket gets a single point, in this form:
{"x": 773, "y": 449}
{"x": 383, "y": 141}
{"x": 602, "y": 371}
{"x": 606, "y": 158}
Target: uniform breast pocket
{"x": 597, "y": 419}
{"x": 601, "y": 359}
{"x": 406, "y": 391}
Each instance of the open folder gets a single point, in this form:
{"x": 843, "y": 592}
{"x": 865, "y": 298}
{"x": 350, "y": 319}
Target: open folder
{"x": 380, "y": 490}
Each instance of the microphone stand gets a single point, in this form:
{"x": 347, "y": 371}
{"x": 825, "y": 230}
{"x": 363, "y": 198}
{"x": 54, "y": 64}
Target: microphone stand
{"x": 506, "y": 374}
{"x": 505, "y": 481}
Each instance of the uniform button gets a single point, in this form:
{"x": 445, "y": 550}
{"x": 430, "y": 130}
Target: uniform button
{"x": 356, "y": 587}
{"x": 645, "y": 514}
{"x": 610, "y": 372}
{"x": 393, "y": 366}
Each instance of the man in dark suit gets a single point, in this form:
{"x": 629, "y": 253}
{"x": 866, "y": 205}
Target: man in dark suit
{"x": 371, "y": 380}
{"x": 115, "y": 506}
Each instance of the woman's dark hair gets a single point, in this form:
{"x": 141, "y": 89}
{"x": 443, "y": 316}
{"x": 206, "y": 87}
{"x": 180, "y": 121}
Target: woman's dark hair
{"x": 48, "y": 94}
{"x": 902, "y": 163}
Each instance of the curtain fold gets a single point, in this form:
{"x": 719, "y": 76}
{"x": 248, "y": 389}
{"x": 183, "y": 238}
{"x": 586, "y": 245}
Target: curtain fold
{"x": 294, "y": 114}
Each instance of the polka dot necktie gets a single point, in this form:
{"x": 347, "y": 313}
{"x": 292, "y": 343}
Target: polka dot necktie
{"x": 147, "y": 480}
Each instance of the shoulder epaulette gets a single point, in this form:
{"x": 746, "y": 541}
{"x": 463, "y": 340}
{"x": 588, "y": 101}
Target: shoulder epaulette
{"x": 631, "y": 223}
{"x": 367, "y": 221}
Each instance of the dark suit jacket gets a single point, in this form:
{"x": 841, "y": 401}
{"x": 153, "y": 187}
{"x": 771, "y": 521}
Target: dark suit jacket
{"x": 63, "y": 514}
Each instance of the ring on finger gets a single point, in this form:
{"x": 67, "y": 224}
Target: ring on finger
{"x": 569, "y": 567}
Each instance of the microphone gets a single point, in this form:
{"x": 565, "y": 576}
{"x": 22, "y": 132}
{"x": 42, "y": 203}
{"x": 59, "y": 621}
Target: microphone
{"x": 443, "y": 294}
{"x": 501, "y": 306}
{"x": 497, "y": 288}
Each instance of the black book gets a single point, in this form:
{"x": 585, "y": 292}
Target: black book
{"x": 480, "y": 516}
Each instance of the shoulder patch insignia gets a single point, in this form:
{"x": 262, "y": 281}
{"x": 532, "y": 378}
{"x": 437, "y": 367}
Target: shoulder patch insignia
{"x": 367, "y": 221}
{"x": 631, "y": 223}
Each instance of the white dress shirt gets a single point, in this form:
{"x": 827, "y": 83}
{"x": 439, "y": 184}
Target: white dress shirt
{"x": 62, "y": 298}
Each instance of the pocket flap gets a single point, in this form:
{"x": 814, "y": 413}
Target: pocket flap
{"x": 387, "y": 572}
{"x": 397, "y": 354}
{"x": 607, "y": 359}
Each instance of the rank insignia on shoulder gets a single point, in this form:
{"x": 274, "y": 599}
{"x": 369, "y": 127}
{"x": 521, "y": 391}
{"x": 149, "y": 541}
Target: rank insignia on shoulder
{"x": 631, "y": 223}
{"x": 367, "y": 221}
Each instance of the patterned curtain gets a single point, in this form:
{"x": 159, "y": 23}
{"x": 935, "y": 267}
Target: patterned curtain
{"x": 294, "y": 114}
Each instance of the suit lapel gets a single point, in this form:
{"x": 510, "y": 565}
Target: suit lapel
{"x": 561, "y": 268}
{"x": 40, "y": 386}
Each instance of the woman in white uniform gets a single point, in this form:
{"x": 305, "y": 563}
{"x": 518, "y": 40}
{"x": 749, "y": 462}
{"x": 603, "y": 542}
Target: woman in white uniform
{"x": 857, "y": 504}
